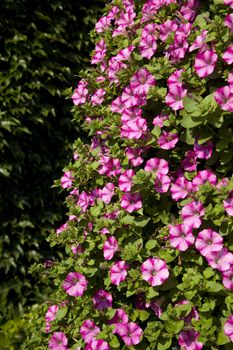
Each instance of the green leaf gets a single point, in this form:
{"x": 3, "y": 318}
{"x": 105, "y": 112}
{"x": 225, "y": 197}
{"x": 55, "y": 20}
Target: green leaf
{"x": 61, "y": 313}
{"x": 164, "y": 342}
{"x": 152, "y": 243}
{"x": 114, "y": 343}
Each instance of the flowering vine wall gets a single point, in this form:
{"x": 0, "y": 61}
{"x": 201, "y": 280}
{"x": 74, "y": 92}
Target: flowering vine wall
{"x": 149, "y": 237}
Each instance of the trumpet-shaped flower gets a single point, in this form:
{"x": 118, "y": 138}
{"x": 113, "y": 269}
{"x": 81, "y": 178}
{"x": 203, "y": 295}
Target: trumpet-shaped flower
{"x": 118, "y": 272}
{"x": 191, "y": 214}
{"x": 228, "y": 327}
{"x": 181, "y": 238}
{"x": 110, "y": 248}
{"x": 208, "y": 241}
{"x": 58, "y": 341}
{"x": 228, "y": 55}
{"x": 131, "y": 202}
{"x": 89, "y": 331}
{"x": 154, "y": 271}
{"x": 130, "y": 333}
{"x": 75, "y": 284}
{"x": 102, "y": 300}
{"x": 205, "y": 63}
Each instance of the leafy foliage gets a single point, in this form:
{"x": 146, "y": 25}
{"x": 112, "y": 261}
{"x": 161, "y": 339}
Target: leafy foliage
{"x": 148, "y": 241}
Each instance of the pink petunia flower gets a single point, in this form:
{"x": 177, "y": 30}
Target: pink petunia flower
{"x": 98, "y": 97}
{"x": 228, "y": 205}
{"x": 174, "y": 98}
{"x": 157, "y": 165}
{"x": 181, "y": 238}
{"x": 189, "y": 163}
{"x": 202, "y": 177}
{"x": 84, "y": 201}
{"x": 228, "y": 55}
{"x": 102, "y": 299}
{"x": 75, "y": 284}
{"x": 134, "y": 129}
{"x": 61, "y": 228}
{"x": 148, "y": 46}
{"x": 166, "y": 28}
{"x": 227, "y": 278}
{"x": 229, "y": 21}
{"x": 131, "y": 201}
{"x": 124, "y": 55}
{"x": 159, "y": 119}
{"x": 208, "y": 241}
{"x": 205, "y": 150}
{"x": 133, "y": 155}
{"x": 181, "y": 188}
{"x": 118, "y": 272}
{"x": 118, "y": 319}
{"x": 228, "y": 2}
{"x": 110, "y": 248}
{"x": 58, "y": 341}
{"x": 107, "y": 193}
{"x": 89, "y": 331}
{"x": 154, "y": 271}
{"x": 142, "y": 81}
{"x": 100, "y": 52}
{"x": 191, "y": 214}
{"x": 162, "y": 183}
{"x": 224, "y": 97}
{"x": 199, "y": 42}
{"x": 221, "y": 260}
{"x": 167, "y": 140}
{"x": 175, "y": 78}
{"x": 51, "y": 313}
{"x": 228, "y": 327}
{"x": 125, "y": 180}
{"x": 131, "y": 333}
{"x": 67, "y": 179}
{"x": 80, "y": 94}
{"x": 131, "y": 99}
{"x": 205, "y": 63}
{"x": 97, "y": 344}
{"x": 103, "y": 24}
{"x": 188, "y": 340}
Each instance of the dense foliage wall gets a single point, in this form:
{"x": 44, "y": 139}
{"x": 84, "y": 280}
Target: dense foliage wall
{"x": 42, "y": 45}
{"x": 149, "y": 262}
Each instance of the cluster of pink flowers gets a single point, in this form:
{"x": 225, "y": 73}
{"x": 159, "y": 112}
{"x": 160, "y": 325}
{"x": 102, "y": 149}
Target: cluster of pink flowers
{"x": 118, "y": 189}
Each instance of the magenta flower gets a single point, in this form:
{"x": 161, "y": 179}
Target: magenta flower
{"x": 174, "y": 98}
{"x": 208, "y": 241}
{"x": 227, "y": 278}
{"x": 188, "y": 340}
{"x": 142, "y": 81}
{"x": 229, "y": 21}
{"x": 228, "y": 55}
{"x": 118, "y": 319}
{"x": 157, "y": 165}
{"x": 158, "y": 121}
{"x": 131, "y": 99}
{"x": 228, "y": 2}
{"x": 228, "y": 205}
{"x": 100, "y": 52}
{"x": 125, "y": 180}
{"x": 228, "y": 327}
{"x": 175, "y": 78}
{"x": 134, "y": 129}
{"x": 67, "y": 179}
{"x": 80, "y": 94}
{"x": 205, "y": 63}
{"x": 84, "y": 201}
{"x": 180, "y": 188}
{"x": 98, "y": 97}
{"x": 103, "y": 24}
{"x": 124, "y": 55}
{"x": 102, "y": 299}
{"x": 205, "y": 150}
{"x": 110, "y": 248}
{"x": 167, "y": 140}
{"x": 97, "y": 344}
{"x": 224, "y": 97}
{"x": 180, "y": 238}
{"x": 148, "y": 46}
{"x": 51, "y": 313}
{"x": 191, "y": 214}
{"x": 221, "y": 260}
{"x": 75, "y": 284}
{"x": 166, "y": 28}
{"x": 189, "y": 163}
{"x": 199, "y": 43}
{"x": 88, "y": 331}
{"x": 202, "y": 177}
{"x": 131, "y": 333}
{"x": 61, "y": 228}
{"x": 133, "y": 155}
{"x": 154, "y": 271}
{"x": 58, "y": 341}
{"x": 118, "y": 272}
{"x": 162, "y": 183}
{"x": 131, "y": 201}
{"x": 107, "y": 192}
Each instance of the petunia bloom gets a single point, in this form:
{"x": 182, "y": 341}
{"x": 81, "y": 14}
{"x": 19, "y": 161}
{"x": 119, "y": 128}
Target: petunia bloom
{"x": 131, "y": 333}
{"x": 102, "y": 299}
{"x": 154, "y": 271}
{"x": 131, "y": 202}
{"x": 205, "y": 63}
{"x": 180, "y": 238}
{"x": 118, "y": 272}
{"x": 208, "y": 241}
{"x": 188, "y": 340}
{"x": 58, "y": 341}
{"x": 75, "y": 284}
{"x": 110, "y": 248}
{"x": 192, "y": 213}
{"x": 89, "y": 331}
{"x": 228, "y": 327}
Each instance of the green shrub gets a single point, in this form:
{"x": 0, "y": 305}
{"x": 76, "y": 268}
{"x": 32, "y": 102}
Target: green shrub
{"x": 148, "y": 241}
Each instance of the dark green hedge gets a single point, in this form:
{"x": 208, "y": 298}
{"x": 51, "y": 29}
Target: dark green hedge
{"x": 43, "y": 44}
